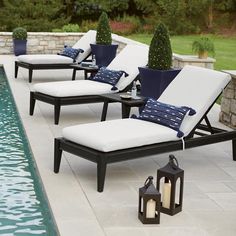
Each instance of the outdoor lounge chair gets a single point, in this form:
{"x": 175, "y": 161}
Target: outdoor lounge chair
{"x": 88, "y": 91}
{"x": 125, "y": 139}
{"x": 53, "y": 61}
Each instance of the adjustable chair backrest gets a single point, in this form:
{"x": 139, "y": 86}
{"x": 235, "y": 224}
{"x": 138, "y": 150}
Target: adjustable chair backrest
{"x": 84, "y": 43}
{"x": 129, "y": 59}
{"x": 197, "y": 88}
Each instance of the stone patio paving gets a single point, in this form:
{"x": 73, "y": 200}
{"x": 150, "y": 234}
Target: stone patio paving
{"x": 209, "y": 205}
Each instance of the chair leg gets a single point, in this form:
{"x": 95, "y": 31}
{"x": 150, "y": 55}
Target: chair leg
{"x": 57, "y": 109}
{"x": 32, "y": 103}
{"x": 234, "y": 149}
{"x": 30, "y": 75}
{"x": 125, "y": 111}
{"x": 57, "y": 155}
{"x": 101, "y": 173}
{"x": 16, "y": 69}
{"x": 74, "y": 74}
{"x": 104, "y": 111}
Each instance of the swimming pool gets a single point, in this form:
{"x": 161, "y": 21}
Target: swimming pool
{"x": 23, "y": 206}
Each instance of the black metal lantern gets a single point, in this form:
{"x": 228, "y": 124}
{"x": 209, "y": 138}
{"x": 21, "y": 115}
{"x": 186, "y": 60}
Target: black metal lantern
{"x": 170, "y": 203}
{"x": 149, "y": 203}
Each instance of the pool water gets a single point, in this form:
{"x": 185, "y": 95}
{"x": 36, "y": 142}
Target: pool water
{"x": 23, "y": 206}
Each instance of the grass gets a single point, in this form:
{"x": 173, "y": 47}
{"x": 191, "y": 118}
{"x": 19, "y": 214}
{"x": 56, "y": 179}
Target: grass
{"x": 225, "y": 48}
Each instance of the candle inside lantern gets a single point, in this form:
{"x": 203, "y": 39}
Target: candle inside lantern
{"x": 166, "y": 195}
{"x": 151, "y": 209}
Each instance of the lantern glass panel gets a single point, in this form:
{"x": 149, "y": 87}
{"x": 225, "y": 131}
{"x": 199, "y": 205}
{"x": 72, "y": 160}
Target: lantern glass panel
{"x": 177, "y": 195}
{"x": 166, "y": 193}
{"x": 151, "y": 208}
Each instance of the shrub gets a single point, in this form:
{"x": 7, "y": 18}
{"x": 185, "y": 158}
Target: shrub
{"x": 202, "y": 45}
{"x": 123, "y": 28}
{"x": 160, "y": 52}
{"x": 103, "y": 35}
{"x": 87, "y": 25}
{"x": 71, "y": 28}
{"x": 125, "y": 25}
{"x": 68, "y": 28}
{"x": 19, "y": 33}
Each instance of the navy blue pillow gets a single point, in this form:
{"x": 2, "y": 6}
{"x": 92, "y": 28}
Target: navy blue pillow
{"x": 71, "y": 52}
{"x": 165, "y": 114}
{"x": 107, "y": 76}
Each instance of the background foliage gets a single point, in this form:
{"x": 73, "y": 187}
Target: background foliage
{"x": 33, "y": 15}
{"x": 180, "y": 16}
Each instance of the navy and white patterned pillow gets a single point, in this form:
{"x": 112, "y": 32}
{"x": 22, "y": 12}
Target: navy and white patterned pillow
{"x": 165, "y": 114}
{"x": 107, "y": 76}
{"x": 71, "y": 52}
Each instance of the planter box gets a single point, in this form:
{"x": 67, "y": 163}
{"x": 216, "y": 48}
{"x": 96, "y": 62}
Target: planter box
{"x": 104, "y": 53}
{"x": 19, "y": 46}
{"x": 154, "y": 82}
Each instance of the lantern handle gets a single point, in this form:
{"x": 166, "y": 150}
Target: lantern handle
{"x": 173, "y": 162}
{"x": 148, "y": 181}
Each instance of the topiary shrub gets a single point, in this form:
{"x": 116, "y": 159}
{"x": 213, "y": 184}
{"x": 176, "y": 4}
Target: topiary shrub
{"x": 19, "y": 33}
{"x": 160, "y": 52}
{"x": 103, "y": 30}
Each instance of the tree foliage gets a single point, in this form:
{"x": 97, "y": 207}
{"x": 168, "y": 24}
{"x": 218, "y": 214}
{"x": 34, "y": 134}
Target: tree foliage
{"x": 91, "y": 9}
{"x": 34, "y": 15}
{"x": 180, "y": 16}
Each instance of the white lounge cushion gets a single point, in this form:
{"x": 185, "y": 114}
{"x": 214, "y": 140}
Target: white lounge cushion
{"x": 83, "y": 43}
{"x": 45, "y": 59}
{"x": 129, "y": 59}
{"x": 118, "y": 134}
{"x": 197, "y": 88}
{"x": 73, "y": 88}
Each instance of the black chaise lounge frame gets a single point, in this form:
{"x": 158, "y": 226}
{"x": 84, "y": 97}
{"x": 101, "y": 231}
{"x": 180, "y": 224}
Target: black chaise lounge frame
{"x": 32, "y": 67}
{"x": 64, "y": 101}
{"x": 61, "y": 101}
{"x": 206, "y": 135}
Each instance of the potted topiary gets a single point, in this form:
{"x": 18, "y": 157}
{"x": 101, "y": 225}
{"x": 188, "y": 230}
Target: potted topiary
{"x": 203, "y": 46}
{"x": 158, "y": 74}
{"x": 19, "y": 36}
{"x": 103, "y": 50}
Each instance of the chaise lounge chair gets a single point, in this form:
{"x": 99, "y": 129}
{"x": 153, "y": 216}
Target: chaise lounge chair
{"x": 125, "y": 139}
{"x": 51, "y": 61}
{"x": 88, "y": 91}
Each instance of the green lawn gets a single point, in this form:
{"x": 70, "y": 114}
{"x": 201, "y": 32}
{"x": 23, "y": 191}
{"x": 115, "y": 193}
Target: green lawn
{"x": 225, "y": 48}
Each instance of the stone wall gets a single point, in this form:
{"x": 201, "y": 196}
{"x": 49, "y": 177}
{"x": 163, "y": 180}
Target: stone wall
{"x": 40, "y": 43}
{"x": 52, "y": 43}
{"x": 228, "y": 104}
{"x": 179, "y": 61}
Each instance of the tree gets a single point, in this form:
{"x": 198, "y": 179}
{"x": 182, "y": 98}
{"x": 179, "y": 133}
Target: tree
{"x": 43, "y": 15}
{"x": 103, "y": 30}
{"x": 92, "y": 9}
{"x": 160, "y": 52}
